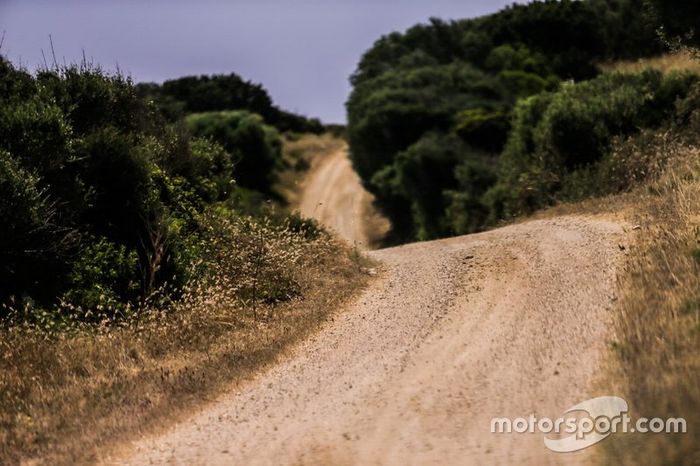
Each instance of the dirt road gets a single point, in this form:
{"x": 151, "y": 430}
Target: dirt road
{"x": 333, "y": 194}
{"x": 504, "y": 323}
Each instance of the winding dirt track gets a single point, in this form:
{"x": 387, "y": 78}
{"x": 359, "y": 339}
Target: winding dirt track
{"x": 454, "y": 332}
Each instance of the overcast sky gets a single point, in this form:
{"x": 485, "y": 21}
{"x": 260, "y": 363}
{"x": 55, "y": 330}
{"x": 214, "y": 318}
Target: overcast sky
{"x": 302, "y": 51}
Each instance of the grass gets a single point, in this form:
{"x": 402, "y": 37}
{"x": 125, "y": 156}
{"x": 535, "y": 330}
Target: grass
{"x": 681, "y": 61}
{"x": 655, "y": 359}
{"x": 71, "y": 397}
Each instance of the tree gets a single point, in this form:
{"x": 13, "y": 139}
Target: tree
{"x": 677, "y": 21}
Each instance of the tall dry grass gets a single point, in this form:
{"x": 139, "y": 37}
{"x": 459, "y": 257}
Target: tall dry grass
{"x": 656, "y": 351}
{"x": 680, "y": 61}
{"x": 67, "y": 397}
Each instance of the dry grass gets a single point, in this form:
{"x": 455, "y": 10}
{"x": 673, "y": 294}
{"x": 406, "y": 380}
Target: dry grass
{"x": 66, "y": 397}
{"x": 681, "y": 61}
{"x": 301, "y": 153}
{"x": 656, "y": 352}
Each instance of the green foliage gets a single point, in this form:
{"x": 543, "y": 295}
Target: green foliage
{"x": 393, "y": 111}
{"x": 14, "y": 84}
{"x": 569, "y": 36}
{"x": 523, "y": 84}
{"x": 32, "y": 246}
{"x": 468, "y": 209}
{"x": 483, "y": 128}
{"x": 212, "y": 170}
{"x": 437, "y": 177}
{"x": 103, "y": 277}
{"x": 423, "y": 172}
{"x": 504, "y": 83}
{"x": 558, "y": 139}
{"x": 309, "y": 228}
{"x": 37, "y": 132}
{"x": 110, "y": 203}
{"x": 464, "y": 78}
{"x": 393, "y": 122}
{"x": 519, "y": 57}
{"x": 678, "y": 21}
{"x": 199, "y": 94}
{"x": 255, "y": 147}
{"x": 120, "y": 194}
{"x": 218, "y": 92}
{"x": 90, "y": 99}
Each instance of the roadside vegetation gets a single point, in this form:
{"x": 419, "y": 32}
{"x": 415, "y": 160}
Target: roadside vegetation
{"x": 455, "y": 126}
{"x": 655, "y": 360}
{"x": 198, "y": 94}
{"x": 144, "y": 259}
{"x": 441, "y": 117}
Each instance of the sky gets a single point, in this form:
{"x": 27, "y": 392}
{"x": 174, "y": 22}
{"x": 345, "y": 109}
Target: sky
{"x": 301, "y": 51}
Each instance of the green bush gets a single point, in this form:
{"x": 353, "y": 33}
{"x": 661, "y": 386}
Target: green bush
{"x": 570, "y": 36}
{"x": 38, "y": 134}
{"x": 678, "y": 20}
{"x": 522, "y": 84}
{"x": 104, "y": 280}
{"x": 559, "y": 137}
{"x": 438, "y": 177}
{"x": 467, "y": 210}
{"x": 200, "y": 94}
{"x": 483, "y": 128}
{"x": 33, "y": 248}
{"x": 255, "y": 147}
{"x": 212, "y": 171}
{"x": 90, "y": 99}
{"x": 106, "y": 202}
{"x": 423, "y": 172}
{"x": 465, "y": 77}
{"x": 120, "y": 192}
{"x": 15, "y": 85}
{"x": 391, "y": 112}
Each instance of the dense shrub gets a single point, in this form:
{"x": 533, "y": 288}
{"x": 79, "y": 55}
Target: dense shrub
{"x": 102, "y": 200}
{"x": 435, "y": 188}
{"x": 464, "y": 77}
{"x": 198, "y": 94}
{"x": 14, "y": 84}
{"x": 103, "y": 278}
{"x": 434, "y": 179}
{"x": 393, "y": 111}
{"x": 255, "y": 147}
{"x": 33, "y": 247}
{"x": 468, "y": 210}
{"x": 121, "y": 194}
{"x": 90, "y": 101}
{"x": 218, "y": 92}
{"x": 37, "y": 133}
{"x": 558, "y": 138}
{"x": 570, "y": 35}
{"x": 483, "y": 128}
{"x": 678, "y": 20}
